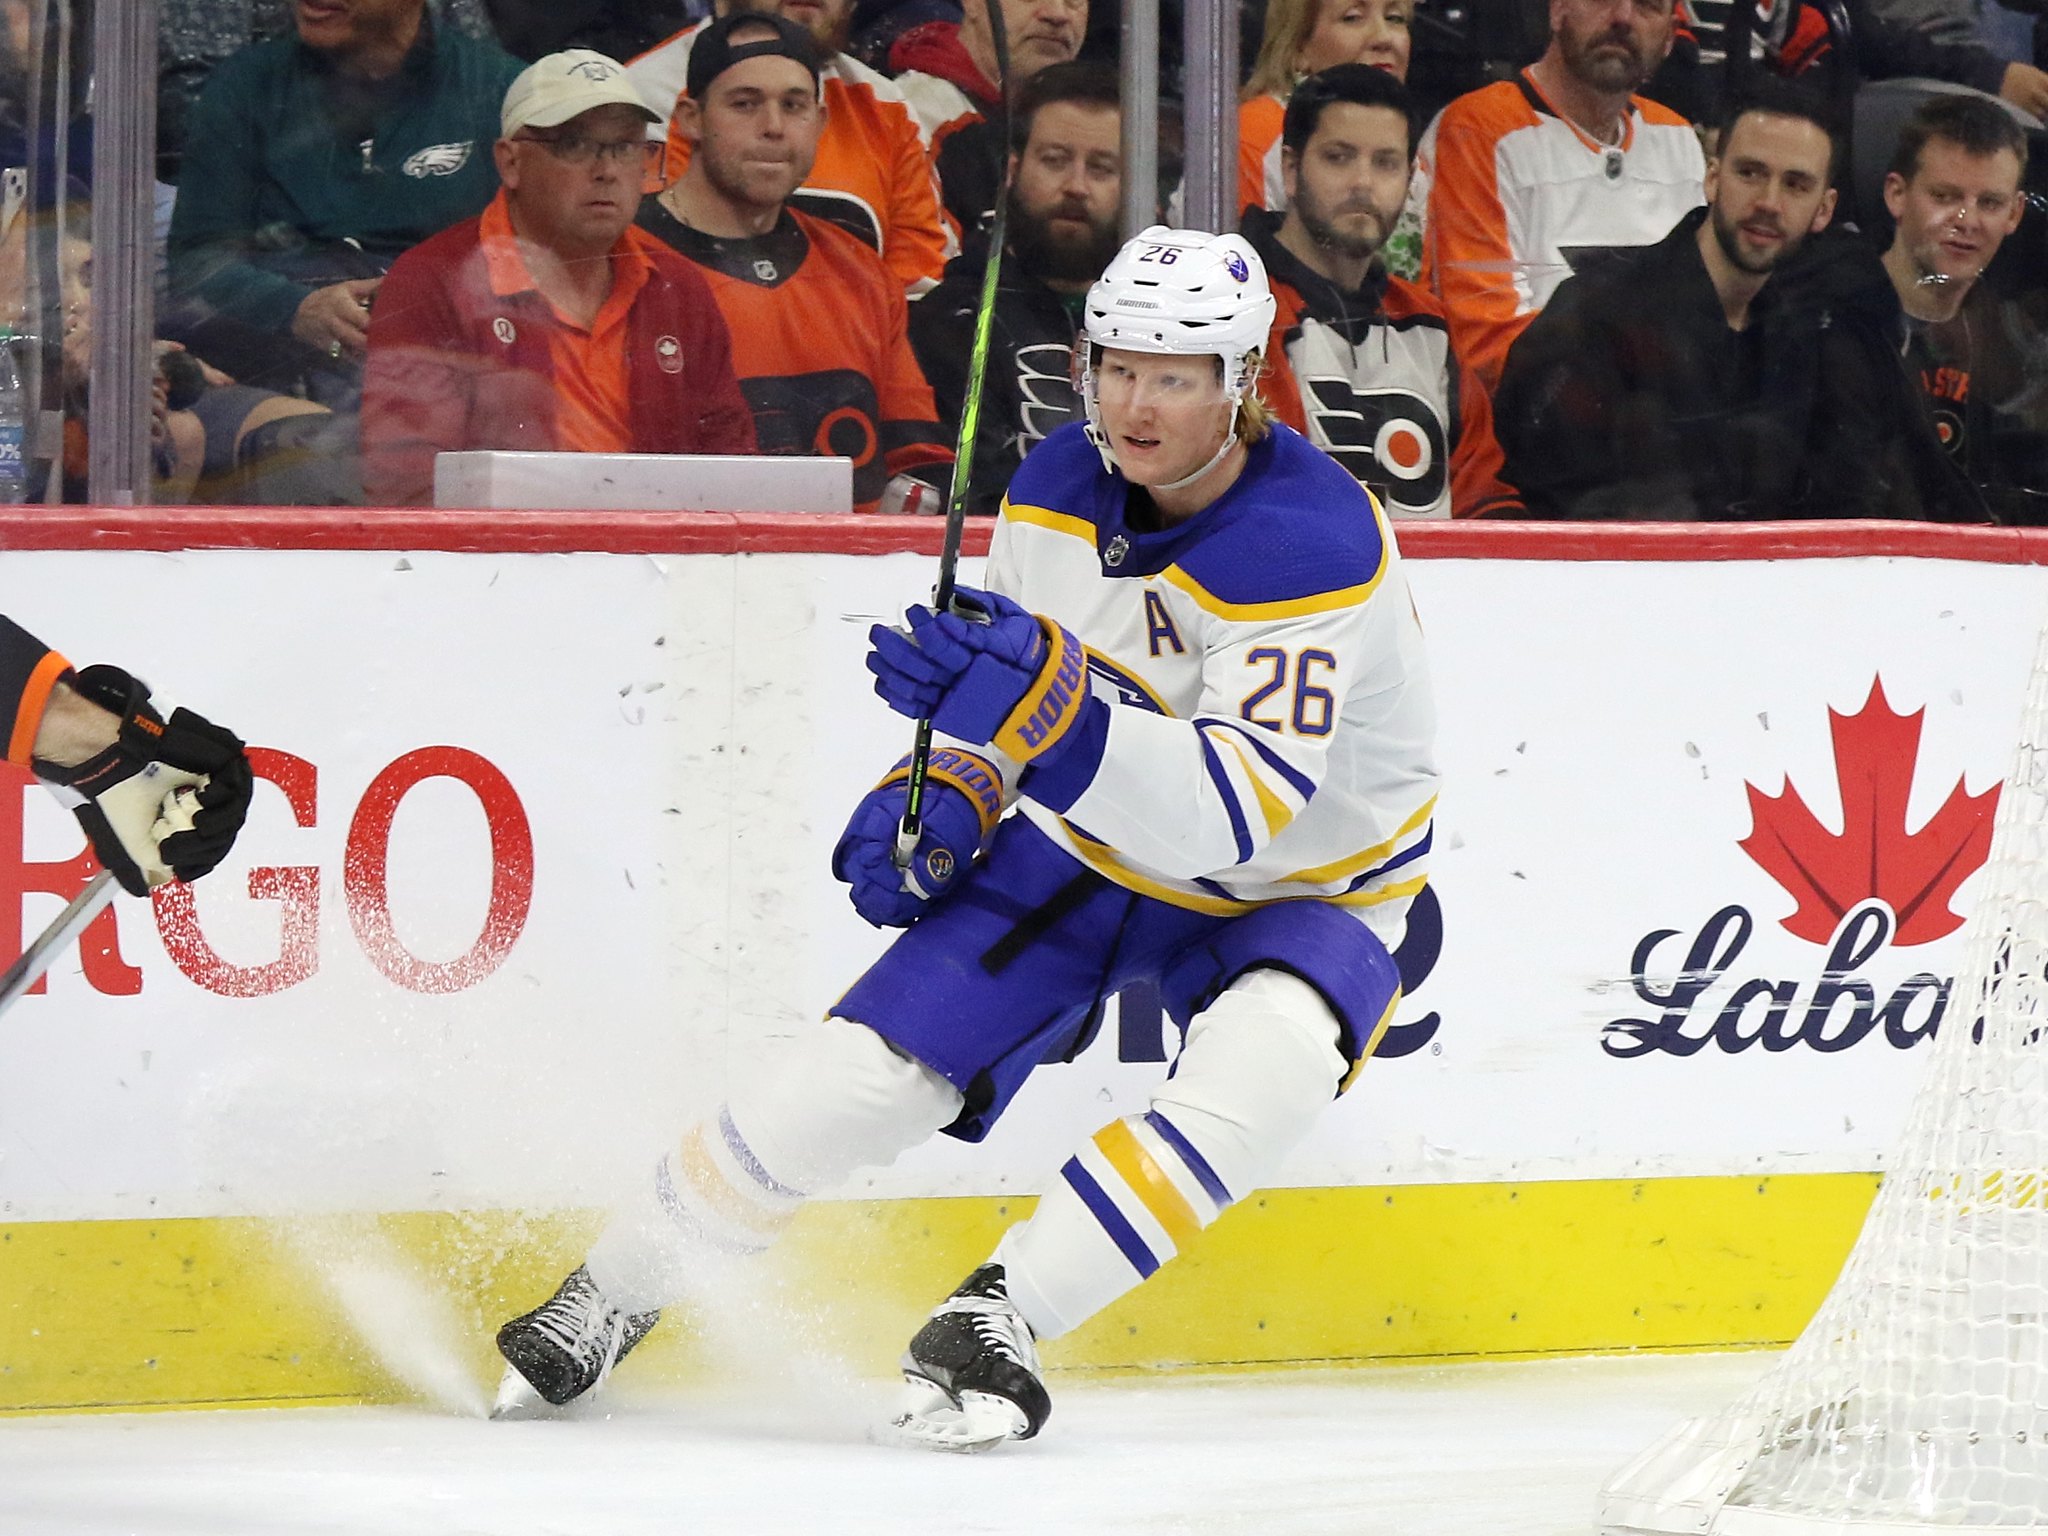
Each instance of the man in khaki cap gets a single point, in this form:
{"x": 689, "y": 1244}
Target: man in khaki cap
{"x": 549, "y": 321}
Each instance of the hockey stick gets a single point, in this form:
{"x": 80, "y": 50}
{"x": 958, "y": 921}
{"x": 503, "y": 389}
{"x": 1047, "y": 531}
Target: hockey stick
{"x": 87, "y": 905}
{"x": 912, "y": 827}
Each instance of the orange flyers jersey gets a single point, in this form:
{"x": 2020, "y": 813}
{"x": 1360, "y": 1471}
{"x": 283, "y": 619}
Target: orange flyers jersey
{"x": 28, "y": 671}
{"x": 873, "y": 175}
{"x": 821, "y": 345}
{"x": 1515, "y": 188}
{"x": 1258, "y": 153}
{"x": 1373, "y": 383}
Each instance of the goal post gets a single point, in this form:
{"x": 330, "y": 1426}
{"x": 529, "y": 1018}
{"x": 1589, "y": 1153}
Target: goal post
{"x": 1916, "y": 1401}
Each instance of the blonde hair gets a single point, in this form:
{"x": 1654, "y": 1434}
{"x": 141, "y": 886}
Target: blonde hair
{"x": 1254, "y": 416}
{"x": 1288, "y": 25}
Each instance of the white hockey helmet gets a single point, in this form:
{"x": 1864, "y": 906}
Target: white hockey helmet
{"x": 1183, "y": 292}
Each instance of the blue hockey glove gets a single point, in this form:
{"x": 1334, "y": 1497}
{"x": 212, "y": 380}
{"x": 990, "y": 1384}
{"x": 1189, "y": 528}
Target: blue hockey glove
{"x": 963, "y": 797}
{"x": 986, "y": 671}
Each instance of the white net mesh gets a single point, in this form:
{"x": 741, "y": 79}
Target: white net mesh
{"x": 1917, "y": 1399}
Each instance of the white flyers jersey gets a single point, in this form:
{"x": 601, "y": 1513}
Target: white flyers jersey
{"x": 1515, "y": 189}
{"x": 1272, "y": 728}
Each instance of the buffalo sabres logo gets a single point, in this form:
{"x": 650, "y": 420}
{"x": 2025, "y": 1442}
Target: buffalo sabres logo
{"x": 594, "y": 69}
{"x": 1239, "y": 268}
{"x": 668, "y": 353}
{"x": 1114, "y": 555}
{"x": 502, "y": 329}
{"x": 438, "y": 160}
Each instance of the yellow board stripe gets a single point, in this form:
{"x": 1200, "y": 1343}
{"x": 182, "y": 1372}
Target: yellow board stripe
{"x": 716, "y": 1190}
{"x": 1148, "y": 1181}
{"x": 1358, "y": 863}
{"x": 1045, "y": 517}
{"x": 1276, "y": 811}
{"x": 217, "y": 1311}
{"x": 1104, "y": 862}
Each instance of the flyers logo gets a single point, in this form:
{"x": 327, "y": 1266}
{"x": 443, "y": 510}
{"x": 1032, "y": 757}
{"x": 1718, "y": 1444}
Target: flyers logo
{"x": 1389, "y": 439}
{"x": 1045, "y": 391}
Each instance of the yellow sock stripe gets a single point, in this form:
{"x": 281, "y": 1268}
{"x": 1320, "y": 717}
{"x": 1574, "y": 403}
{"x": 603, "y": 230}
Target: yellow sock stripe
{"x": 711, "y": 1186}
{"x": 1052, "y": 703}
{"x": 1148, "y": 1181}
{"x": 1379, "y": 1033}
{"x": 969, "y": 772}
{"x": 1276, "y": 811}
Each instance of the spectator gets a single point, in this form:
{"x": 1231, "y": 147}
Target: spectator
{"x": 311, "y": 161}
{"x": 1360, "y": 362}
{"x": 948, "y": 71}
{"x": 1066, "y": 186}
{"x": 827, "y": 365}
{"x": 194, "y": 36}
{"x": 1562, "y": 157}
{"x": 619, "y": 29}
{"x": 549, "y": 322}
{"x": 1302, "y": 38}
{"x": 1954, "y": 190}
{"x": 1745, "y": 366}
{"x": 873, "y": 172}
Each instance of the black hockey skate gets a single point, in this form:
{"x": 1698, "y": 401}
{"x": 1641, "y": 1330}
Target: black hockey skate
{"x": 970, "y": 1376}
{"x": 566, "y": 1346}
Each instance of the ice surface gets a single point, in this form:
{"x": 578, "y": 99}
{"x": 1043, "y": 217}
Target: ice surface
{"x": 1461, "y": 1450}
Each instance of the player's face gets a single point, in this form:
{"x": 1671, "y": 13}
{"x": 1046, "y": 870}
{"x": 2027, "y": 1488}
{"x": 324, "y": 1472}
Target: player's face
{"x": 1956, "y": 210}
{"x": 576, "y": 187}
{"x": 1165, "y": 416}
{"x": 1346, "y": 189}
{"x": 1611, "y": 46}
{"x": 1767, "y": 190}
{"x": 1359, "y": 32}
{"x": 757, "y": 130}
{"x": 1039, "y": 32}
{"x": 1065, "y": 192}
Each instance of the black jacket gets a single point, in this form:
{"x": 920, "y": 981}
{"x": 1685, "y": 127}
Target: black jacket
{"x": 1629, "y": 396}
{"x": 1030, "y": 386}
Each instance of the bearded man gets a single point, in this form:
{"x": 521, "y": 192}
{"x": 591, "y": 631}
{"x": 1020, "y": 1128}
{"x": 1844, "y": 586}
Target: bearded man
{"x": 1066, "y": 186}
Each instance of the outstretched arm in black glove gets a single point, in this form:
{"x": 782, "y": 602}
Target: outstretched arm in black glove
{"x": 116, "y": 761}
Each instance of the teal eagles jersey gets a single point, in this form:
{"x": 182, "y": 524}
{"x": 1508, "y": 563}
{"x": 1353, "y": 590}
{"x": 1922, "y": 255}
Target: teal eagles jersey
{"x": 1271, "y": 725}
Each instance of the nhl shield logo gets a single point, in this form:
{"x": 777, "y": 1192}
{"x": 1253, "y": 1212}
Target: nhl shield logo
{"x": 764, "y": 271}
{"x": 668, "y": 352}
{"x": 1114, "y": 555}
{"x": 503, "y": 330}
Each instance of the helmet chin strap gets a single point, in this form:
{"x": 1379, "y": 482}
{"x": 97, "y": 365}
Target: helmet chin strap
{"x": 1229, "y": 440}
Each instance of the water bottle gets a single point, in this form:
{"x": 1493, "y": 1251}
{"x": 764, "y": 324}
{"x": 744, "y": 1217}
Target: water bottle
{"x": 13, "y": 426}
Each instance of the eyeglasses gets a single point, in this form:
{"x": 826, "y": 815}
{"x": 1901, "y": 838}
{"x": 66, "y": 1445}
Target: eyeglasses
{"x": 576, "y": 149}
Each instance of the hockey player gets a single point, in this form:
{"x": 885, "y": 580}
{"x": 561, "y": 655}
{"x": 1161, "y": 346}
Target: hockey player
{"x": 99, "y": 744}
{"x": 1197, "y": 683}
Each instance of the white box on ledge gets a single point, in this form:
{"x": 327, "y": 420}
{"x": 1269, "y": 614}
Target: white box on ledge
{"x": 644, "y": 482}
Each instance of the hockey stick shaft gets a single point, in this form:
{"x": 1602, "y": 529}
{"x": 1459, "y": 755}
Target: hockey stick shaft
{"x": 912, "y": 826}
{"x": 35, "y": 960}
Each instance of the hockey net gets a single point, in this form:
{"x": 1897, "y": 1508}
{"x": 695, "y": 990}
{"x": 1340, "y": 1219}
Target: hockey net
{"x": 1917, "y": 1399}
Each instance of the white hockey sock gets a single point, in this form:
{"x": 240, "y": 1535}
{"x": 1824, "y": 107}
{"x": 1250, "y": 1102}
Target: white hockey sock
{"x": 842, "y": 1099}
{"x": 1260, "y": 1064}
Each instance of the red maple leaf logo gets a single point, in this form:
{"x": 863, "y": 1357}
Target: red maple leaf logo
{"x": 1914, "y": 873}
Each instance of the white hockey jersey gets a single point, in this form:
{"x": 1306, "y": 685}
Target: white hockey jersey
{"x": 1271, "y": 726}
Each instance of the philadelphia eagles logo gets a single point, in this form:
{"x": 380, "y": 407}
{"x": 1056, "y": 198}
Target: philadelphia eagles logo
{"x": 438, "y": 160}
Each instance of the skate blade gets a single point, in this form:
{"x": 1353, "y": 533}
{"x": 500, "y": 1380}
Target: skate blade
{"x": 517, "y": 1400}
{"x": 927, "y": 1419}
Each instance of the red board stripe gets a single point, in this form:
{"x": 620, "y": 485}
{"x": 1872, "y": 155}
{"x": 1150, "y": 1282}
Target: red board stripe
{"x": 719, "y": 533}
